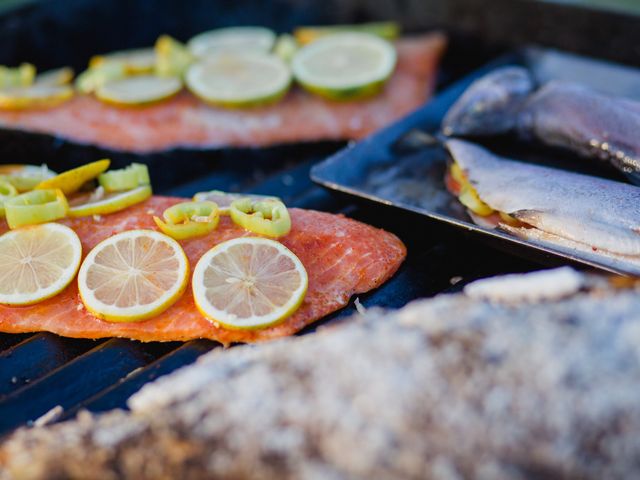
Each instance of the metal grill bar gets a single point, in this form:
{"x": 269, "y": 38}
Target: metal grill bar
{"x": 102, "y": 377}
{"x": 117, "y": 395}
{"x": 8, "y": 340}
{"x": 78, "y": 380}
{"x": 35, "y": 357}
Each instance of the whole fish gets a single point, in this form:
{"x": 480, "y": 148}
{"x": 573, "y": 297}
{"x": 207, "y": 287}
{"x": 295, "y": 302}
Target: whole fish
{"x": 570, "y": 210}
{"x": 527, "y": 377}
{"x": 558, "y": 113}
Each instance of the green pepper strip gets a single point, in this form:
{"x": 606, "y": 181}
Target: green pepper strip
{"x": 133, "y": 176}
{"x": 225, "y": 199}
{"x": 264, "y": 217}
{"x": 37, "y": 206}
{"x": 189, "y": 219}
{"x": 6, "y": 191}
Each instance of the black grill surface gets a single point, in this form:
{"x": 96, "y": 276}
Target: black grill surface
{"x": 41, "y": 371}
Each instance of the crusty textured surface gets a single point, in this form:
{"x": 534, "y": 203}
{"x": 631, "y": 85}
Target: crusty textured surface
{"x": 185, "y": 121}
{"x": 447, "y": 388}
{"x": 342, "y": 257}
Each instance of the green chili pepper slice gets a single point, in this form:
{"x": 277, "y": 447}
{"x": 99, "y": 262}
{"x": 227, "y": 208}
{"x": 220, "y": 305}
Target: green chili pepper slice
{"x": 7, "y": 191}
{"x": 37, "y": 206}
{"x": 189, "y": 219}
{"x": 128, "y": 178}
{"x": 264, "y": 217}
{"x": 225, "y": 199}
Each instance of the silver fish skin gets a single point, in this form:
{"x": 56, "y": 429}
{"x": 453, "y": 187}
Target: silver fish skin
{"x": 560, "y": 114}
{"x": 490, "y": 106}
{"x": 596, "y": 212}
{"x": 535, "y": 377}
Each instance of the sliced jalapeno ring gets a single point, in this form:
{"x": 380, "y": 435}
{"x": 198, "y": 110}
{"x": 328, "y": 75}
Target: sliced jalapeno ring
{"x": 189, "y": 219}
{"x": 7, "y": 191}
{"x": 264, "y": 217}
{"x": 225, "y": 199}
{"x": 128, "y": 178}
{"x": 37, "y": 206}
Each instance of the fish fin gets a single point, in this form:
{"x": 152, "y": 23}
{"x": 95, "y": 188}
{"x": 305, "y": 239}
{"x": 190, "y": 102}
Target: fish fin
{"x": 490, "y": 105}
{"x": 625, "y": 263}
{"x": 593, "y": 232}
{"x": 415, "y": 140}
{"x": 531, "y": 217}
{"x": 633, "y": 177}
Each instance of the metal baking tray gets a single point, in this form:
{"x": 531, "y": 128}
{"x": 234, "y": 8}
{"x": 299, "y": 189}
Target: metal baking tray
{"x": 393, "y": 167}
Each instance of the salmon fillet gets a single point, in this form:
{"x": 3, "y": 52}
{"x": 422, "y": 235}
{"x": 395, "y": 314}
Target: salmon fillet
{"x": 185, "y": 121}
{"x": 342, "y": 257}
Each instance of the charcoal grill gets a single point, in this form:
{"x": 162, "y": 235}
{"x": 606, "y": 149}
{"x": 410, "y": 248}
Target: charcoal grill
{"x": 41, "y": 371}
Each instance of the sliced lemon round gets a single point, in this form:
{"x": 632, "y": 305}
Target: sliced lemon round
{"x": 57, "y": 77}
{"x": 345, "y": 66}
{"x": 100, "y": 203}
{"x": 134, "y": 275}
{"x": 239, "y": 80}
{"x": 71, "y": 180}
{"x": 135, "y": 61}
{"x": 138, "y": 90}
{"x": 37, "y": 263}
{"x": 249, "y": 283}
{"x": 25, "y": 177}
{"x": 232, "y": 39}
{"x": 34, "y": 96}
{"x": 92, "y": 78}
{"x": 225, "y": 199}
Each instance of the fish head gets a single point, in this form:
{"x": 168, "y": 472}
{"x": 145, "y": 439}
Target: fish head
{"x": 490, "y": 105}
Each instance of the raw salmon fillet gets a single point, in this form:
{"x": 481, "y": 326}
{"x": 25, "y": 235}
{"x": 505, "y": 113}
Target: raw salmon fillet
{"x": 342, "y": 257}
{"x": 185, "y": 121}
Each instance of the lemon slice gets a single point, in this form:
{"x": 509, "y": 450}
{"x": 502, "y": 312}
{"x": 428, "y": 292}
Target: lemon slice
{"x": 71, "y": 180}
{"x": 249, "y": 283}
{"x": 34, "y": 96}
{"x": 93, "y": 78}
{"x": 100, "y": 203}
{"x": 239, "y": 80}
{"x": 134, "y": 275}
{"x": 138, "y": 90}
{"x": 345, "y": 65}
{"x": 37, "y": 263}
{"x": 225, "y": 199}
{"x": 57, "y": 77}
{"x": 232, "y": 39}
{"x": 135, "y": 61}
{"x": 25, "y": 177}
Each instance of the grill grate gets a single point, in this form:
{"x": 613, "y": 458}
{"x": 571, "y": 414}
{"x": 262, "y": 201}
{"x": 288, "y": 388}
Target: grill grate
{"x": 41, "y": 371}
